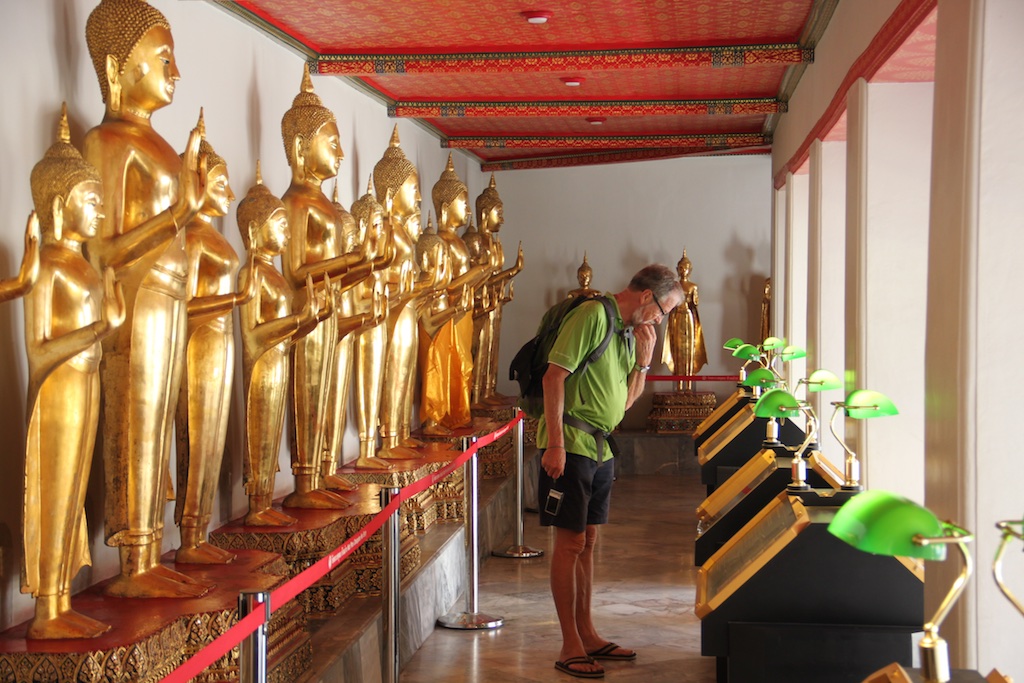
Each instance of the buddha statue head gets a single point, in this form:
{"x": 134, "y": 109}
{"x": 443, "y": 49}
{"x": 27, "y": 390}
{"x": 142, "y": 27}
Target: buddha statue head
{"x": 431, "y": 251}
{"x": 684, "y": 267}
{"x": 132, "y": 51}
{"x": 218, "y": 191}
{"x": 584, "y": 273}
{"x": 262, "y": 219}
{"x": 64, "y": 185}
{"x": 310, "y": 133}
{"x": 369, "y": 215}
{"x": 396, "y": 181}
{"x": 451, "y": 199}
{"x": 489, "y": 209}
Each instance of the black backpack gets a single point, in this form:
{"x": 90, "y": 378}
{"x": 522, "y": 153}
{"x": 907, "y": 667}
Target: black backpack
{"x": 531, "y": 361}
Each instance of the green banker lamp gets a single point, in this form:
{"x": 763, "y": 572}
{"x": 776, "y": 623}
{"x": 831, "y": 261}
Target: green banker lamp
{"x": 860, "y": 404}
{"x": 731, "y": 345}
{"x": 775, "y": 404}
{"x": 759, "y": 380}
{"x": 884, "y": 523}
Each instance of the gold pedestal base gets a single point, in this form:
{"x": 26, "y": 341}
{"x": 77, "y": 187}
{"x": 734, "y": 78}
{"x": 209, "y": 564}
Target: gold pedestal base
{"x": 419, "y": 512}
{"x": 678, "y": 412}
{"x": 315, "y": 534}
{"x": 149, "y": 638}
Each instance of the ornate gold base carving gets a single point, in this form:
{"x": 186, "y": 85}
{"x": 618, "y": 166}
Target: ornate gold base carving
{"x": 149, "y": 638}
{"x": 680, "y": 411}
{"x": 318, "y": 532}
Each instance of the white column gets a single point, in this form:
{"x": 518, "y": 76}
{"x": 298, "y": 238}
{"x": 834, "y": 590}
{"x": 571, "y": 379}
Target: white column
{"x": 795, "y": 316}
{"x": 888, "y": 165}
{"x": 778, "y": 258}
{"x": 975, "y": 467}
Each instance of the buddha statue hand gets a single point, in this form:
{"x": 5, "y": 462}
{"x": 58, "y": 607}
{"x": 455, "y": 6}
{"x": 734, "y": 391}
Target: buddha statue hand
{"x": 114, "y": 309}
{"x": 323, "y": 301}
{"x": 508, "y": 297}
{"x": 30, "y": 260}
{"x": 249, "y": 285}
{"x": 520, "y": 260}
{"x": 191, "y": 182}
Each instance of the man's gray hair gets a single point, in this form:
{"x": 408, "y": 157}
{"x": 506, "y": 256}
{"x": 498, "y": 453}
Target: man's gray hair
{"x": 658, "y": 278}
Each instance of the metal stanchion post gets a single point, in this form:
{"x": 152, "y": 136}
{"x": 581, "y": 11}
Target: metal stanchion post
{"x": 391, "y": 565}
{"x": 518, "y": 549}
{"x": 471, "y": 618}
{"x": 252, "y": 659}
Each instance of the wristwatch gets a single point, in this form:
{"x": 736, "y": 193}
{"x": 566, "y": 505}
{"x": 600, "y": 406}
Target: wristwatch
{"x": 641, "y": 368}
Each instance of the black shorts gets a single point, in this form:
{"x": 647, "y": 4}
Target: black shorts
{"x": 586, "y": 487}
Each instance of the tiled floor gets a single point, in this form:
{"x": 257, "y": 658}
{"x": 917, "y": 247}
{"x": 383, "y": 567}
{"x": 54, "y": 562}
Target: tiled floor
{"x": 643, "y": 599}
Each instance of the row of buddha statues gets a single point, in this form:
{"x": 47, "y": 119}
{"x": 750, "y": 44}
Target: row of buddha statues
{"x": 129, "y": 297}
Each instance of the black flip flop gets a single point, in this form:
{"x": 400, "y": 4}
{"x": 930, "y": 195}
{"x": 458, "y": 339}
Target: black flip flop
{"x": 607, "y": 653}
{"x": 565, "y": 667}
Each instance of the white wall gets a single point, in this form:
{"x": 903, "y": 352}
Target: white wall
{"x": 628, "y": 215}
{"x": 625, "y": 215}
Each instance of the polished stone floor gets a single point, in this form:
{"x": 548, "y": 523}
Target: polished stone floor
{"x": 644, "y": 591}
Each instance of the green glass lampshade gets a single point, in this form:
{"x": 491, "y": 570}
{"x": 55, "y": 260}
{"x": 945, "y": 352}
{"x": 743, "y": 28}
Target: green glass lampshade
{"x": 732, "y": 343}
{"x": 777, "y": 403}
{"x": 772, "y": 343}
{"x": 792, "y": 353}
{"x": 747, "y": 352}
{"x": 885, "y": 523}
{"x": 862, "y": 404}
{"x": 823, "y": 380}
{"x": 760, "y": 377}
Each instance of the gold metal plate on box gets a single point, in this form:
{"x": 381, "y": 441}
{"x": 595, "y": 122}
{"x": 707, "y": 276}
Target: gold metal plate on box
{"x": 720, "y": 439}
{"x": 719, "y": 412}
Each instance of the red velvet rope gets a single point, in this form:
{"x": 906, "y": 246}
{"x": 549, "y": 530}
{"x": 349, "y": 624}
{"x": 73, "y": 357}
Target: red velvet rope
{"x": 278, "y": 598}
{"x": 693, "y": 378}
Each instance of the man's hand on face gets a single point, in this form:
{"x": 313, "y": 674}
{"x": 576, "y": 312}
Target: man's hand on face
{"x": 646, "y": 336}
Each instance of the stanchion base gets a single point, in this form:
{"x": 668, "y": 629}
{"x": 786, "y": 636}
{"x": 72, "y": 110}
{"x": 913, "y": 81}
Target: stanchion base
{"x": 470, "y": 621}
{"x": 518, "y": 552}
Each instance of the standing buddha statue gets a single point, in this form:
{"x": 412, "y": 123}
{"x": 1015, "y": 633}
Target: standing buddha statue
{"x": 311, "y": 142}
{"x": 150, "y": 194}
{"x": 397, "y": 187}
{"x": 684, "y": 352}
{"x": 68, "y": 312}
{"x": 447, "y": 370}
{"x": 268, "y": 330}
{"x": 205, "y": 396}
{"x": 496, "y": 291}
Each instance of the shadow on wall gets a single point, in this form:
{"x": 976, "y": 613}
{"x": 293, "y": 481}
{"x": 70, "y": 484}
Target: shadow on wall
{"x": 742, "y": 297}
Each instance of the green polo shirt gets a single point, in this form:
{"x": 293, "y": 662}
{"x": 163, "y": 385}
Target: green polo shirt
{"x": 598, "y": 396}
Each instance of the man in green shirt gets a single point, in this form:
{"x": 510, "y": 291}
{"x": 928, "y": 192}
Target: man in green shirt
{"x": 577, "y": 468}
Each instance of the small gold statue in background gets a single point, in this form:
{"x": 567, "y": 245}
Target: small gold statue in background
{"x": 493, "y": 294}
{"x": 205, "y": 396}
{"x": 446, "y": 356}
{"x": 684, "y": 352}
{"x": 149, "y": 194}
{"x": 766, "y": 310}
{"x": 583, "y": 275}
{"x": 269, "y": 328}
{"x": 311, "y": 142}
{"x": 67, "y": 313}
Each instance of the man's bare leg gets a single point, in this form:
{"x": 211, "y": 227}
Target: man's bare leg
{"x": 565, "y": 589}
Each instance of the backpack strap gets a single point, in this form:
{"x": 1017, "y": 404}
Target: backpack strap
{"x": 609, "y": 309}
{"x": 600, "y": 436}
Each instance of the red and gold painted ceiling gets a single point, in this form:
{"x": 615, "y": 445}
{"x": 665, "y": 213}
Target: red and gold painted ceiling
{"x": 657, "y": 78}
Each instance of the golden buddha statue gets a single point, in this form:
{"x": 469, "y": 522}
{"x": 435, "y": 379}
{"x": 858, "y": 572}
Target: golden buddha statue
{"x": 446, "y": 356}
{"x": 397, "y": 187}
{"x": 205, "y": 396}
{"x": 67, "y": 313}
{"x": 494, "y": 293}
{"x": 684, "y": 352}
{"x": 269, "y": 328}
{"x": 371, "y": 342}
{"x": 584, "y": 274}
{"x": 150, "y": 194}
{"x": 311, "y": 142}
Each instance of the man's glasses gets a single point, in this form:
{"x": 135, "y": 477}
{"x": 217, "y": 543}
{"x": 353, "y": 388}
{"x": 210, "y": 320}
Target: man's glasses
{"x": 655, "y": 297}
